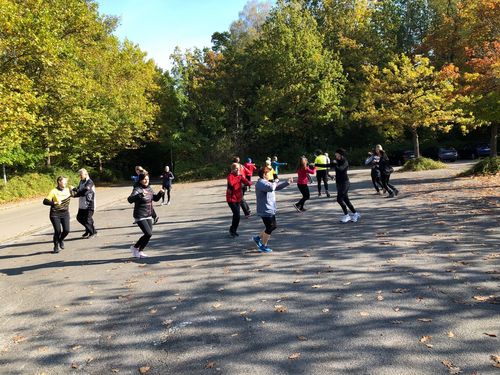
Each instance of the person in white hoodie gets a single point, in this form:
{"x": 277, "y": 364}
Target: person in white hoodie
{"x": 266, "y": 206}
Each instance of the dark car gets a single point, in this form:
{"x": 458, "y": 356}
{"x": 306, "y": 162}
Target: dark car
{"x": 447, "y": 154}
{"x": 476, "y": 151}
{"x": 401, "y": 157}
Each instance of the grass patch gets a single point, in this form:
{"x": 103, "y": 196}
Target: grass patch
{"x": 422, "y": 164}
{"x": 487, "y": 166}
{"x": 31, "y": 185}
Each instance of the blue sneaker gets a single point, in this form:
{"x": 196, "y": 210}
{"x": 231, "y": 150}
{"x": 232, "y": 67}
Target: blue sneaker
{"x": 257, "y": 240}
{"x": 264, "y": 249}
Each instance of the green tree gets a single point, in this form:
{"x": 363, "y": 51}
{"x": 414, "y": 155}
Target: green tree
{"x": 410, "y": 95}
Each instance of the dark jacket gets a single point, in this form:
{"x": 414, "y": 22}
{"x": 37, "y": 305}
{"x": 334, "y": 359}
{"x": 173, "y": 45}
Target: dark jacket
{"x": 384, "y": 165}
{"x": 166, "y": 179}
{"x": 86, "y": 192}
{"x": 143, "y": 198}
{"x": 341, "y": 166}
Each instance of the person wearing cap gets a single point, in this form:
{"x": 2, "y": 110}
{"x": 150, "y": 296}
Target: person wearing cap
{"x": 341, "y": 166}
{"x": 373, "y": 161}
{"x": 321, "y": 172}
{"x": 143, "y": 196}
{"x": 234, "y": 195}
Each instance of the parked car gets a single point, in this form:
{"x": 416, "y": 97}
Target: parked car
{"x": 402, "y": 156}
{"x": 447, "y": 154}
{"x": 473, "y": 152}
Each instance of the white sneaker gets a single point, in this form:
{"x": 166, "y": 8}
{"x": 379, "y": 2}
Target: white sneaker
{"x": 355, "y": 217}
{"x": 135, "y": 251}
{"x": 345, "y": 219}
{"x": 168, "y": 203}
{"x": 143, "y": 255}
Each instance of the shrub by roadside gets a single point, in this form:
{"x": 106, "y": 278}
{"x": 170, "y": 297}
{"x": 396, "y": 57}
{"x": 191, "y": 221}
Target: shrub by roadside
{"x": 487, "y": 166}
{"x": 422, "y": 164}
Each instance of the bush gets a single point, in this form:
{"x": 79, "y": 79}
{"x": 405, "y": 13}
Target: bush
{"x": 186, "y": 171}
{"x": 422, "y": 164}
{"x": 487, "y": 166}
{"x": 31, "y": 185}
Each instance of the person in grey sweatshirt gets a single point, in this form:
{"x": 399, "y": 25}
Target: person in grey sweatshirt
{"x": 266, "y": 206}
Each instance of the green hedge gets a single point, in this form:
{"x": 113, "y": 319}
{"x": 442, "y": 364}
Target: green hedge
{"x": 422, "y": 164}
{"x": 487, "y": 166}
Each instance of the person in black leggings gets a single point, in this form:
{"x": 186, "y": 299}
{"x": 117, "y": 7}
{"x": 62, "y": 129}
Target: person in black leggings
{"x": 373, "y": 161}
{"x": 143, "y": 196}
{"x": 58, "y": 200}
{"x": 385, "y": 175}
{"x": 341, "y": 166}
{"x": 303, "y": 171}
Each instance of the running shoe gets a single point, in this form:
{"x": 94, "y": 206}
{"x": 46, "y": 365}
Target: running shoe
{"x": 355, "y": 217}
{"x": 297, "y": 207}
{"x": 257, "y": 240}
{"x": 93, "y": 235}
{"x": 319, "y": 194}
{"x": 56, "y": 249}
{"x": 327, "y": 194}
{"x": 61, "y": 245}
{"x": 265, "y": 249}
{"x": 345, "y": 218}
{"x": 168, "y": 203}
{"x": 135, "y": 251}
{"x": 391, "y": 195}
{"x": 396, "y": 192}
{"x": 303, "y": 209}
{"x": 86, "y": 235}
{"x": 142, "y": 254}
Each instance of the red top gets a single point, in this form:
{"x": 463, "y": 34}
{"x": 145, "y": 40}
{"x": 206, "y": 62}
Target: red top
{"x": 303, "y": 172}
{"x": 250, "y": 168}
{"x": 234, "y": 194}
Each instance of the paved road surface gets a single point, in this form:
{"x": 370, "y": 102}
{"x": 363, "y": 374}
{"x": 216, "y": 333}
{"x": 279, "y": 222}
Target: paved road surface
{"x": 354, "y": 298}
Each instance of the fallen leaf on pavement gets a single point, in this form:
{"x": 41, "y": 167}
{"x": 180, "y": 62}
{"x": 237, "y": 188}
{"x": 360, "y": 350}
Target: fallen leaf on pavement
{"x": 76, "y": 347}
{"x": 144, "y": 369}
{"x": 296, "y": 281}
{"x": 347, "y": 283}
{"x": 115, "y": 370}
{"x": 168, "y": 322}
{"x": 302, "y": 338}
{"x": 74, "y": 365}
{"x": 216, "y": 305}
{"x": 380, "y": 297}
{"x": 490, "y": 334}
{"x": 396, "y": 308}
{"x": 325, "y": 310}
{"x": 364, "y": 313}
{"x": 316, "y": 286}
{"x": 359, "y": 295}
{"x": 210, "y": 364}
{"x": 280, "y": 309}
{"x": 451, "y": 334}
{"x": 425, "y": 339}
{"x": 452, "y": 369}
{"x": 482, "y": 298}
{"x": 294, "y": 356}
{"x": 19, "y": 338}
{"x": 153, "y": 311}
{"x": 496, "y": 360}
{"x": 424, "y": 320}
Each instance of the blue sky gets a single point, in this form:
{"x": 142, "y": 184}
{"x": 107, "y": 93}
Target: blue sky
{"x": 158, "y": 26}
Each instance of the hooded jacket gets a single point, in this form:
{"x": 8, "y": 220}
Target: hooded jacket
{"x": 143, "y": 198}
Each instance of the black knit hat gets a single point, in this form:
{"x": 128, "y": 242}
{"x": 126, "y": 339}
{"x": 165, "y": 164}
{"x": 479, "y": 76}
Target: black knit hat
{"x": 340, "y": 151}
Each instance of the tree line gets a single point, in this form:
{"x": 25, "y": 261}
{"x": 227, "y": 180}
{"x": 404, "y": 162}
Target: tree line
{"x": 286, "y": 78}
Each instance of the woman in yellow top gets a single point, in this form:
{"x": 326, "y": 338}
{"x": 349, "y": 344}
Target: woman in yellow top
{"x": 58, "y": 200}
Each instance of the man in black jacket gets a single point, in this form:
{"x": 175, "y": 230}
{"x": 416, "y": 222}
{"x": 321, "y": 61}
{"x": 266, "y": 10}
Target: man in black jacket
{"x": 86, "y": 193}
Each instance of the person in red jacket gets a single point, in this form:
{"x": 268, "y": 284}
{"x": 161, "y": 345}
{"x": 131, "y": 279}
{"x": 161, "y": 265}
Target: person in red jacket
{"x": 234, "y": 195}
{"x": 303, "y": 171}
{"x": 243, "y": 172}
{"x": 250, "y": 166}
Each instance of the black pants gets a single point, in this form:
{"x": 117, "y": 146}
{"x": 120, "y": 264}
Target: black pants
{"x": 322, "y": 175}
{"x": 270, "y": 223}
{"x": 147, "y": 228}
{"x": 244, "y": 206}
{"x": 385, "y": 183}
{"x": 167, "y": 189}
{"x": 57, "y": 223}
{"x": 85, "y": 217}
{"x": 343, "y": 198}
{"x": 376, "y": 179}
{"x": 235, "y": 208}
{"x": 304, "y": 189}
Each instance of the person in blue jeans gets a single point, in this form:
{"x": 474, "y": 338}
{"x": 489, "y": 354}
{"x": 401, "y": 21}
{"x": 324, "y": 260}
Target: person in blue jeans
{"x": 266, "y": 207}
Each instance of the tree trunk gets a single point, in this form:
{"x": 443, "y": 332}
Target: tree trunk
{"x": 494, "y": 139}
{"x": 48, "y": 157}
{"x": 4, "y": 175}
{"x": 416, "y": 145}
{"x": 100, "y": 165}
